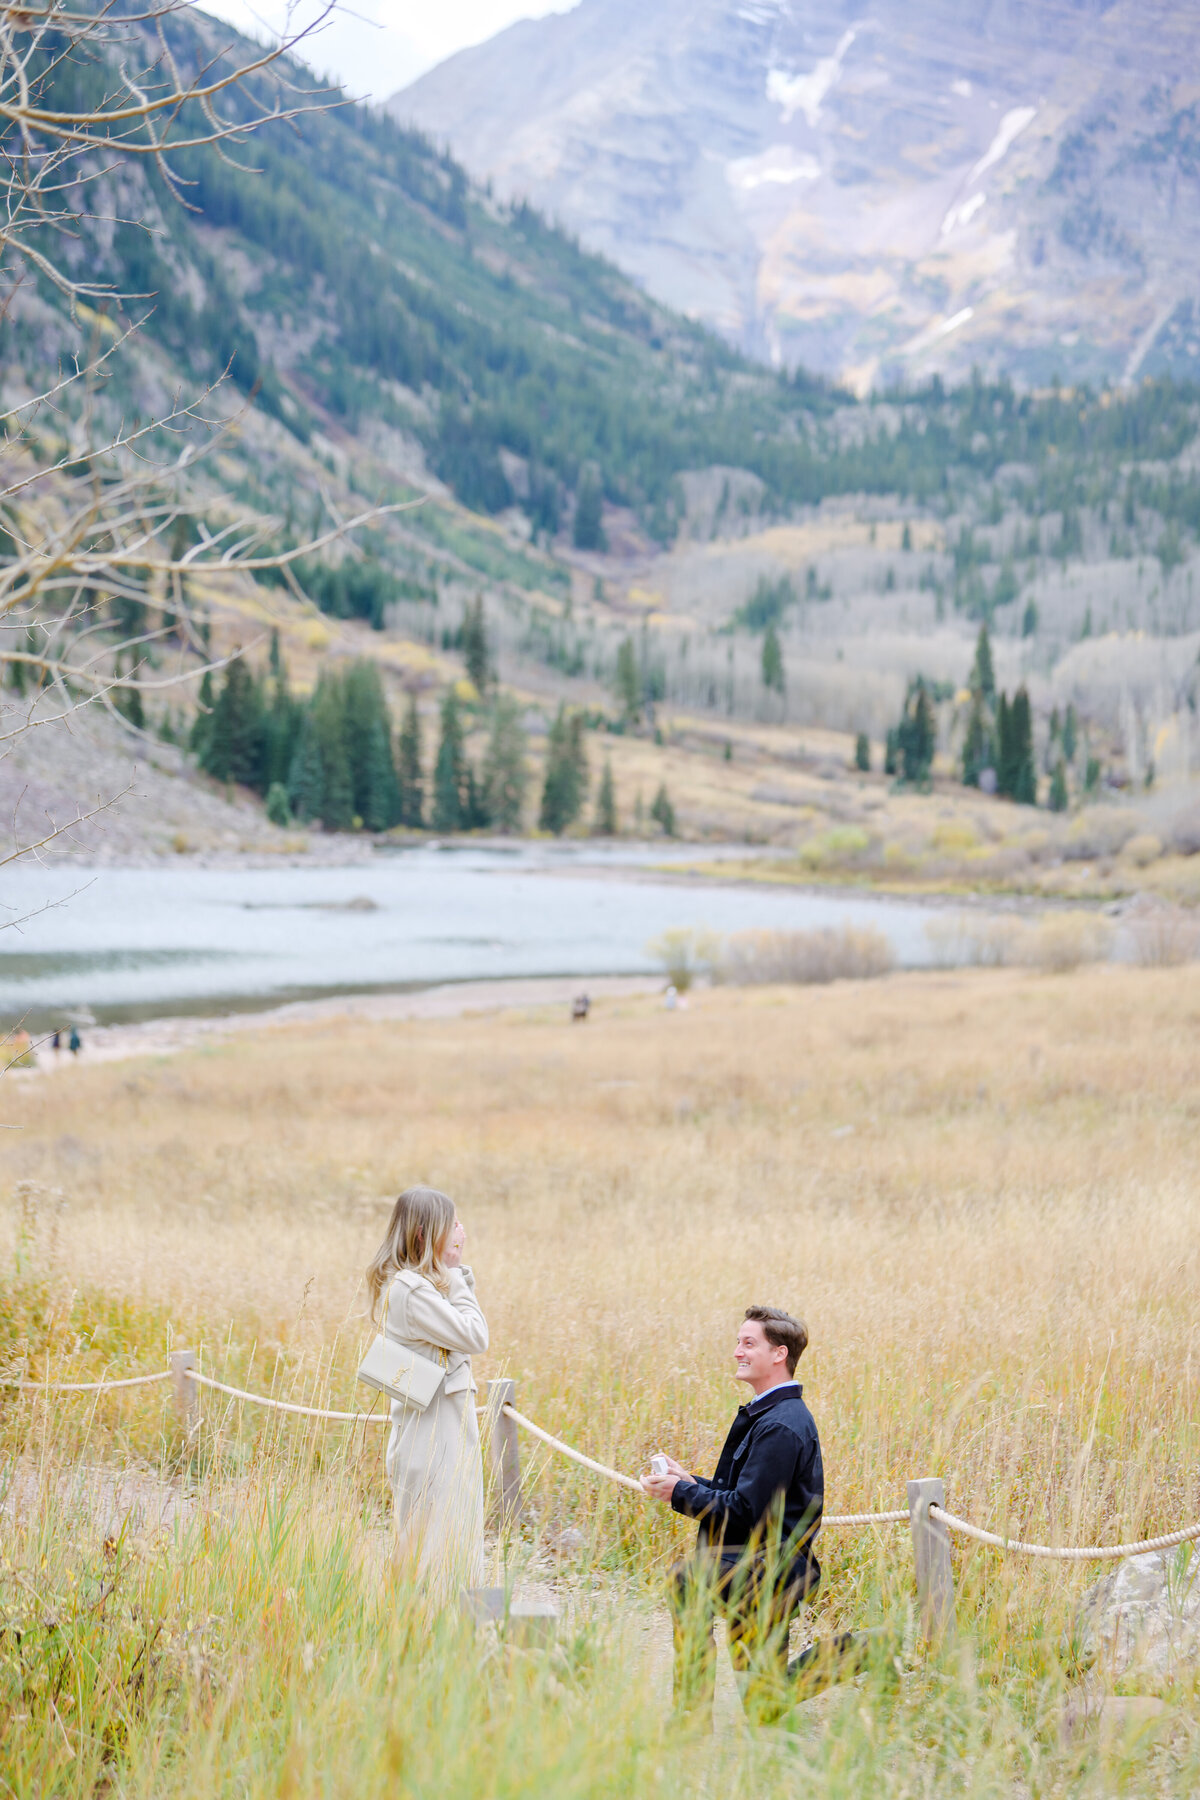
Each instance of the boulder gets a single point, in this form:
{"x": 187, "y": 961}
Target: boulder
{"x": 1143, "y": 1616}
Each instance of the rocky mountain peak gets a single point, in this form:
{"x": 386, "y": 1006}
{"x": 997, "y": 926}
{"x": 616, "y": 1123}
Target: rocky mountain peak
{"x": 874, "y": 191}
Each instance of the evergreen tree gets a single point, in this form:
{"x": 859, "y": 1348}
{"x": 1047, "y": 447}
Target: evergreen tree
{"x": 450, "y": 771}
{"x": 276, "y": 660}
{"x": 916, "y": 736}
{"x": 983, "y": 675}
{"x": 410, "y": 778}
{"x": 367, "y": 731}
{"x": 1059, "y": 797}
{"x": 1006, "y": 766}
{"x": 891, "y": 752}
{"x": 978, "y": 751}
{"x": 202, "y": 723}
{"x": 663, "y": 812}
{"x": 236, "y": 745}
{"x": 588, "y": 533}
{"x": 505, "y": 770}
{"x": 862, "y": 748}
{"x": 328, "y": 715}
{"x": 565, "y": 783}
{"x": 475, "y": 650}
{"x": 281, "y": 729}
{"x": 1024, "y": 789}
{"x": 772, "y": 662}
{"x": 306, "y": 777}
{"x": 605, "y": 822}
{"x": 628, "y": 682}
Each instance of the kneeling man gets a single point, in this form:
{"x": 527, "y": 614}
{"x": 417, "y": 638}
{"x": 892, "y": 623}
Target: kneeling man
{"x": 754, "y": 1561}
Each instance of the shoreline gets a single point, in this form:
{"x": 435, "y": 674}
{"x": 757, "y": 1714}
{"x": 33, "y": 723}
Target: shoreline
{"x": 446, "y": 1000}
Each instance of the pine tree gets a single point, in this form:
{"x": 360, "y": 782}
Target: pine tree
{"x": 862, "y": 750}
{"x": 276, "y": 660}
{"x": 505, "y": 770}
{"x": 1024, "y": 788}
{"x": 605, "y": 822}
{"x": 306, "y": 777}
{"x": 773, "y": 675}
{"x": 368, "y": 736}
{"x": 1059, "y": 797}
{"x": 450, "y": 772}
{"x": 663, "y": 812}
{"x": 565, "y": 781}
{"x": 410, "y": 777}
{"x": 983, "y": 675}
{"x": 281, "y": 729}
{"x": 236, "y": 745}
{"x": 475, "y": 650}
{"x": 628, "y": 682}
{"x": 978, "y": 752}
{"x": 328, "y": 715}
{"x": 1006, "y": 767}
{"x": 588, "y": 532}
{"x": 916, "y": 736}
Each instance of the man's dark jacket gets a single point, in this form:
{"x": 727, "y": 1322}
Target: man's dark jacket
{"x": 772, "y": 1451}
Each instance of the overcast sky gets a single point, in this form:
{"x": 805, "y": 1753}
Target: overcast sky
{"x": 377, "y": 46}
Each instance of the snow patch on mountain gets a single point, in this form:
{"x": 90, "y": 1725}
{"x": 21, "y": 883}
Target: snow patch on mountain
{"x": 780, "y": 164}
{"x": 804, "y": 93}
{"x": 1011, "y": 126}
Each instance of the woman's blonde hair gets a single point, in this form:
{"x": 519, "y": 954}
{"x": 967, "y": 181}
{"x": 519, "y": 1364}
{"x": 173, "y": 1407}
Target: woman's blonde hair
{"x": 415, "y": 1239}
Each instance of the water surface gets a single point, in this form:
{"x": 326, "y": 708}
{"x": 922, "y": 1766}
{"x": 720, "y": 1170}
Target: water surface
{"x": 136, "y": 943}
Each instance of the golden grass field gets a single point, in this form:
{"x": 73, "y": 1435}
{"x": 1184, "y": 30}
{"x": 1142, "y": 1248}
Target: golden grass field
{"x": 978, "y": 1188}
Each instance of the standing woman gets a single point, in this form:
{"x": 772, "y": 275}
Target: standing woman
{"x": 424, "y": 1298}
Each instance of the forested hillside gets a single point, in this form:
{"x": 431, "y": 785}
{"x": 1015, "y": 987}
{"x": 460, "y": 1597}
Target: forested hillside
{"x": 626, "y": 514}
{"x": 353, "y": 272}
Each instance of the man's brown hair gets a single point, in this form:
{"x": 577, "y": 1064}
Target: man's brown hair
{"x": 779, "y": 1327}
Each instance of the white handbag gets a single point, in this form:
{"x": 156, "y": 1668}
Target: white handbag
{"x": 395, "y": 1370}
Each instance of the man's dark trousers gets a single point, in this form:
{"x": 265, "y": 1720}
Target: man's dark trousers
{"x": 758, "y": 1601}
{"x": 754, "y": 1561}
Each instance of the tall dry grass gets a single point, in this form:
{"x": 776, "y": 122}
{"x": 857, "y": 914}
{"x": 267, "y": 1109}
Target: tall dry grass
{"x": 976, "y": 1187}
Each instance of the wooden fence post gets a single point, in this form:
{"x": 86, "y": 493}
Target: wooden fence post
{"x": 187, "y": 1393}
{"x": 931, "y": 1554}
{"x": 506, "y": 1449}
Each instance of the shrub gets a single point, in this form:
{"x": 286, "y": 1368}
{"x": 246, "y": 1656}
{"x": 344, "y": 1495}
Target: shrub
{"x": 1163, "y": 937}
{"x": 966, "y": 942}
{"x": 849, "y": 953}
{"x": 1185, "y": 834}
{"x": 278, "y": 808}
{"x": 1142, "y": 849}
{"x": 1099, "y": 831}
{"x": 1060, "y": 942}
{"x": 684, "y": 955}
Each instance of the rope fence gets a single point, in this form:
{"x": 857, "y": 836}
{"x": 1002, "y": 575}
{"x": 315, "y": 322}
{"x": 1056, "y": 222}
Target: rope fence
{"x": 88, "y": 1387}
{"x": 926, "y": 1513}
{"x": 1065, "y": 1552}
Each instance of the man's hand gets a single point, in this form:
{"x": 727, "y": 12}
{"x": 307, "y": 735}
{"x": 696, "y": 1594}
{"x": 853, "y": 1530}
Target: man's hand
{"x": 661, "y": 1487}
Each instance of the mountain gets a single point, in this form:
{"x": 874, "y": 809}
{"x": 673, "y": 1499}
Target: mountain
{"x": 874, "y": 191}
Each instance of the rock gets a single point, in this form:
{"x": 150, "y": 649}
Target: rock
{"x": 1144, "y": 1615}
{"x": 566, "y": 1543}
{"x": 1115, "y": 1715}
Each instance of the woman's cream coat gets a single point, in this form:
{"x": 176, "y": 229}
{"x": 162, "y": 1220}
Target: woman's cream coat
{"x": 433, "y": 1459}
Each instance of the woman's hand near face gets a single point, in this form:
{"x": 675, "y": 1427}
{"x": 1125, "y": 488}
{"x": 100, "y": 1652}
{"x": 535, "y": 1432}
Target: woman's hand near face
{"x": 452, "y": 1255}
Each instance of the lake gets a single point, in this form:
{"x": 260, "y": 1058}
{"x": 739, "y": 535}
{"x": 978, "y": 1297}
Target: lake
{"x": 124, "y": 944}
